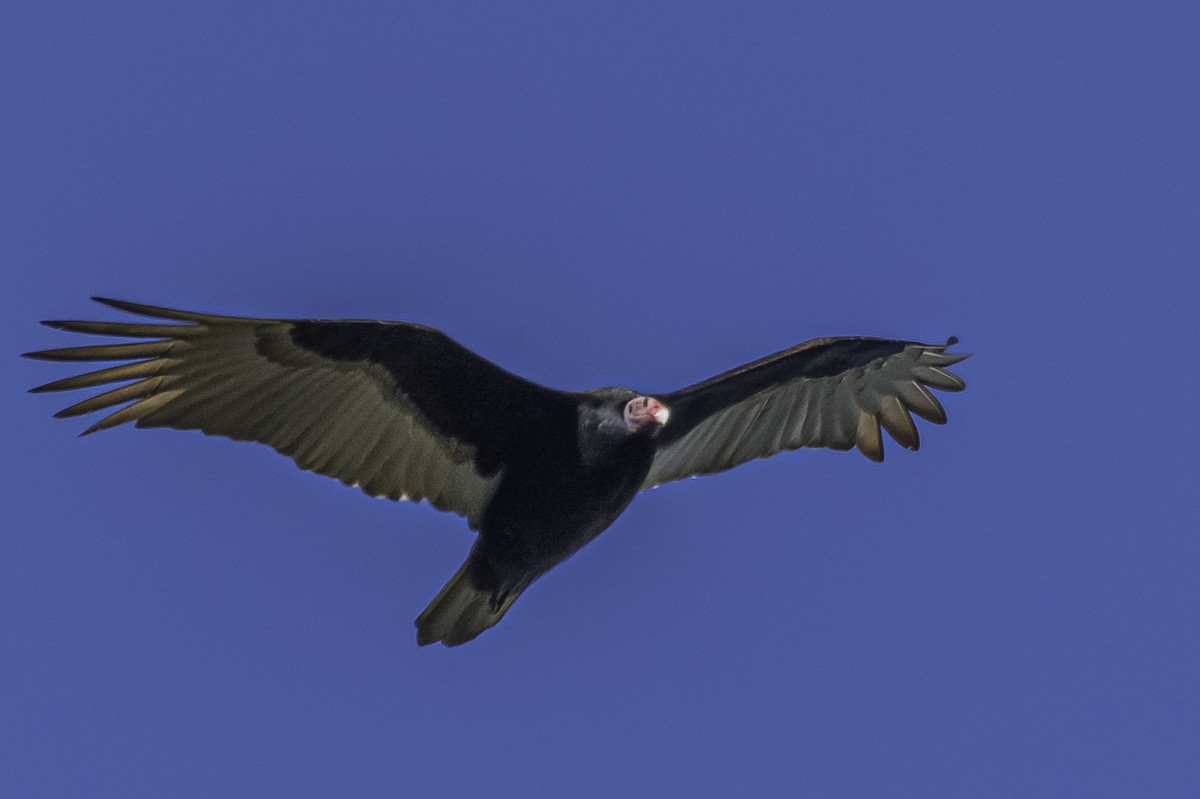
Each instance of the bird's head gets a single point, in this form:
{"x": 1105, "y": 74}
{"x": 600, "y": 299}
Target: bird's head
{"x": 645, "y": 414}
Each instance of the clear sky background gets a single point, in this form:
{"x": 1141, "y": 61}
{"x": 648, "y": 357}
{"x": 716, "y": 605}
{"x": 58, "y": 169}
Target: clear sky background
{"x": 633, "y": 193}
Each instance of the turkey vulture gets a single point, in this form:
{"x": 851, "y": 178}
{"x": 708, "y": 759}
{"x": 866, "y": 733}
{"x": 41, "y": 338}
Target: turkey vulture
{"x": 402, "y": 411}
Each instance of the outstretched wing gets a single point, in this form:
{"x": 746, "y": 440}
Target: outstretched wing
{"x": 399, "y": 410}
{"x": 830, "y": 392}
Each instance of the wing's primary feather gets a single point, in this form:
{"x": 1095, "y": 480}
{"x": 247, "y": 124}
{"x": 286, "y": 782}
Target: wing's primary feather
{"x": 831, "y": 392}
{"x": 399, "y": 410}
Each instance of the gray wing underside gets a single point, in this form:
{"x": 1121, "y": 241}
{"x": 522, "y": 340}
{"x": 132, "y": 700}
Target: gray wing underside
{"x": 838, "y": 411}
{"x": 246, "y": 379}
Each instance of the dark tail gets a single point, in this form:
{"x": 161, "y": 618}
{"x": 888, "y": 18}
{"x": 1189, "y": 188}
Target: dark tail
{"x": 461, "y": 611}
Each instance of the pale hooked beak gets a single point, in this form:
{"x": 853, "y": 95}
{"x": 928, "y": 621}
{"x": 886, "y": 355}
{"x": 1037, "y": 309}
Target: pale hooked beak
{"x": 662, "y": 414}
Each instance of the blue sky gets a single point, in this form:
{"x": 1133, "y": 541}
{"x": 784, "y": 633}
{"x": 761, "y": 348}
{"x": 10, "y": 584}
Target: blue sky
{"x": 643, "y": 194}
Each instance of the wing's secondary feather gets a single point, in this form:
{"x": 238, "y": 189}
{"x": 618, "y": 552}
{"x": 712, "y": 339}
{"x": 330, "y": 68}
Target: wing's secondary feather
{"x": 839, "y": 393}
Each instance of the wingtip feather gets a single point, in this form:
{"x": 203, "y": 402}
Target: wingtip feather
{"x": 111, "y": 302}
{"x": 162, "y": 312}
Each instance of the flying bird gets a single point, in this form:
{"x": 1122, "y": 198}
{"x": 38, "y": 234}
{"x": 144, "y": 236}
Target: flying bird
{"x": 402, "y": 411}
